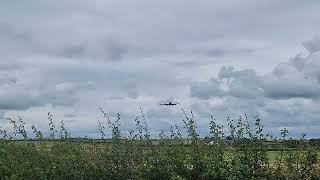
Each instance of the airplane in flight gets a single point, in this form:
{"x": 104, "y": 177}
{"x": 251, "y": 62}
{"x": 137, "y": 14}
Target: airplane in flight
{"x": 169, "y": 104}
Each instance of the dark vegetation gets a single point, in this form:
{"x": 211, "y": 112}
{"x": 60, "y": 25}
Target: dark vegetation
{"x": 241, "y": 150}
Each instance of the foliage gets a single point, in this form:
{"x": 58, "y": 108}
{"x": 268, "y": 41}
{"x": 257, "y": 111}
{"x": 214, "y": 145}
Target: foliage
{"x": 238, "y": 151}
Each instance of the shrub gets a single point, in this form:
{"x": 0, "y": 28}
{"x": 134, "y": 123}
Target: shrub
{"x": 239, "y": 151}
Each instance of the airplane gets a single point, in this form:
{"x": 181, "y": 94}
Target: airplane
{"x": 169, "y": 104}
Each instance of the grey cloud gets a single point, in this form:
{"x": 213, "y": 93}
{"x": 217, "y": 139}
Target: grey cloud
{"x": 70, "y": 115}
{"x": 207, "y": 89}
{"x": 312, "y": 45}
{"x": 61, "y": 82}
{"x": 245, "y": 84}
{"x": 79, "y": 29}
{"x": 285, "y": 97}
{"x": 21, "y": 97}
{"x": 290, "y": 87}
{"x": 287, "y": 80}
{"x": 2, "y": 114}
{"x": 312, "y": 70}
{"x": 222, "y": 48}
{"x": 7, "y": 31}
{"x": 292, "y": 112}
{"x": 75, "y": 55}
{"x": 108, "y": 50}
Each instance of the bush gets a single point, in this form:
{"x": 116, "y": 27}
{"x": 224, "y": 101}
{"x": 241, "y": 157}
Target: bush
{"x": 238, "y": 151}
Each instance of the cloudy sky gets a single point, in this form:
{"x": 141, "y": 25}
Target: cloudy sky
{"x": 216, "y": 57}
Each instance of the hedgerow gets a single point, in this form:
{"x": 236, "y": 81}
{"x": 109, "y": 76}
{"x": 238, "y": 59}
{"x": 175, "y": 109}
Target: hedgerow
{"x": 241, "y": 150}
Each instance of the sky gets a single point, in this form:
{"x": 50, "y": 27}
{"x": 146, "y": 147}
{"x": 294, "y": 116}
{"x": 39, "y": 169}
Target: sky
{"x": 215, "y": 57}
